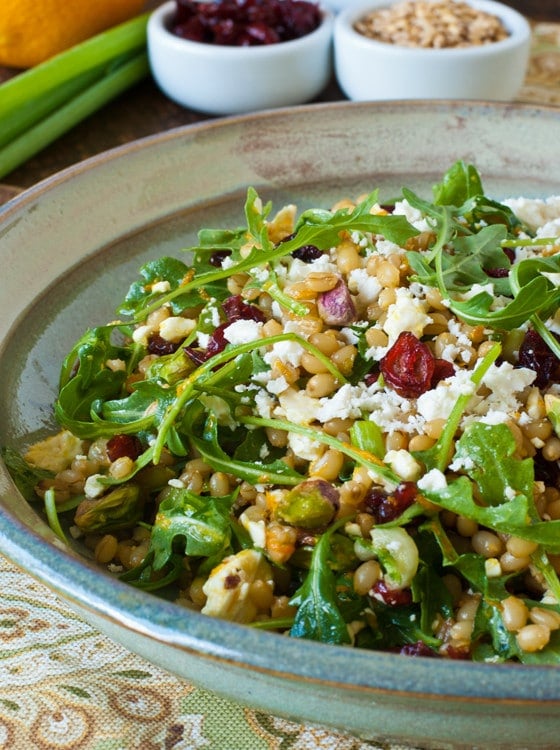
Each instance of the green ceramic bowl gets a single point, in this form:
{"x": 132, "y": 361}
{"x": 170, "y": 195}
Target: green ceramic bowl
{"x": 68, "y": 249}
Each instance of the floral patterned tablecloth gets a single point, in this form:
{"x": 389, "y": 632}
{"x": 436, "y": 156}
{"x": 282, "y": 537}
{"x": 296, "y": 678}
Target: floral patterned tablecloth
{"x": 64, "y": 686}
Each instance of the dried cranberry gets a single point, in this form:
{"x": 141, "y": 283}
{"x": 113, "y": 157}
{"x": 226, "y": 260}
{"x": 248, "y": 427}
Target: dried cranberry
{"x": 217, "y": 341}
{"x": 385, "y": 506}
{"x": 442, "y": 369}
{"x": 235, "y": 308}
{"x": 307, "y": 253}
{"x": 417, "y": 649}
{"x": 408, "y": 366}
{"x": 458, "y": 652}
{"x": 503, "y": 271}
{"x": 196, "y": 355}
{"x": 535, "y": 354}
{"x": 124, "y": 446}
{"x": 160, "y": 346}
{"x": 244, "y": 22}
{"x": 371, "y": 377}
{"x": 391, "y": 597}
{"x": 546, "y": 471}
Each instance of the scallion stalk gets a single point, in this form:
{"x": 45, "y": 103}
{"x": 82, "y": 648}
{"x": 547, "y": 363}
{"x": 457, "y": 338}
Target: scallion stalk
{"x": 42, "y": 103}
{"x": 73, "y": 112}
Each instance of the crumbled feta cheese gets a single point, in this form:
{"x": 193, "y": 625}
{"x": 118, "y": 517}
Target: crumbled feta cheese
{"x": 256, "y": 529}
{"x": 203, "y": 339}
{"x": 264, "y": 404}
{"x": 406, "y": 314}
{"x": 243, "y": 331}
{"x": 413, "y": 215}
{"x": 141, "y": 333}
{"x": 296, "y": 406}
{"x": 403, "y": 464}
{"x": 93, "y": 487}
{"x": 365, "y": 286}
{"x": 433, "y": 481}
{"x": 347, "y": 402}
{"x": 289, "y": 352}
{"x": 277, "y": 385}
{"x": 160, "y": 287}
{"x": 299, "y": 271}
{"x": 305, "y": 447}
{"x": 438, "y": 402}
{"x": 176, "y": 328}
{"x": 115, "y": 365}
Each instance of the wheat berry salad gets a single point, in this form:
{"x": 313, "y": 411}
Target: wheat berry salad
{"x": 340, "y": 425}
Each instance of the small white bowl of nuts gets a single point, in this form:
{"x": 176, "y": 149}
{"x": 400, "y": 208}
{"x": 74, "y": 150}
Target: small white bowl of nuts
{"x": 431, "y": 49}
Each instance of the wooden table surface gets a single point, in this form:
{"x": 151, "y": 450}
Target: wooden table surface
{"x": 144, "y": 110}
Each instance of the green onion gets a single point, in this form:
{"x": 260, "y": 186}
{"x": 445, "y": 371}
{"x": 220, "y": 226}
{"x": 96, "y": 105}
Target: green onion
{"x": 41, "y": 104}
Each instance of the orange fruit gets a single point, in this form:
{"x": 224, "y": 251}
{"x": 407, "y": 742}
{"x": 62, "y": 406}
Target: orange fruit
{"x": 31, "y": 31}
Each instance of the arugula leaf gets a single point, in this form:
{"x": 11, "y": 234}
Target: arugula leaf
{"x": 318, "y": 616}
{"x": 531, "y": 299}
{"x": 198, "y": 526}
{"x": 368, "y": 436}
{"x": 488, "y": 451}
{"x": 472, "y": 256}
{"x": 458, "y": 184}
{"x": 25, "y": 476}
{"x": 256, "y": 472}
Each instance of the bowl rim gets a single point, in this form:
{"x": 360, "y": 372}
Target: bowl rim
{"x": 518, "y": 27}
{"x": 159, "y": 36}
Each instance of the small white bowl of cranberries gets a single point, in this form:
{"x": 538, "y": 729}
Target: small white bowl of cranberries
{"x": 226, "y": 57}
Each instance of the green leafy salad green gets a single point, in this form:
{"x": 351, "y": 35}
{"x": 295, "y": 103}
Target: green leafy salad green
{"x": 342, "y": 425}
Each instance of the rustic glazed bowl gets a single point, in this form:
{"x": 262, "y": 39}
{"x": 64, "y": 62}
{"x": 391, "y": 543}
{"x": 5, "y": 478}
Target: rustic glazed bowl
{"x": 369, "y": 70}
{"x": 66, "y": 268}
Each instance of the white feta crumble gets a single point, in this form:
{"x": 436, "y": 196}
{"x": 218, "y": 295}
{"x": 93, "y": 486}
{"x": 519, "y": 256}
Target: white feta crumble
{"x": 509, "y": 493}
{"x": 141, "y": 333}
{"x": 296, "y": 406}
{"x": 277, "y": 385}
{"x": 505, "y": 383}
{"x": 413, "y": 215}
{"x": 176, "y": 328}
{"x": 407, "y": 313}
{"x": 433, "y": 481}
{"x": 536, "y": 212}
{"x": 215, "y": 315}
{"x": 160, "y": 287}
{"x": 243, "y": 331}
{"x": 505, "y": 379}
{"x": 264, "y": 403}
{"x": 299, "y": 271}
{"x": 438, "y": 402}
{"x": 403, "y": 463}
{"x": 289, "y": 352}
{"x": 305, "y": 447}
{"x": 365, "y": 286}
{"x": 203, "y": 339}
{"x": 255, "y": 529}
{"x": 94, "y": 487}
